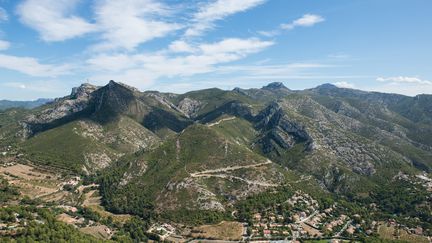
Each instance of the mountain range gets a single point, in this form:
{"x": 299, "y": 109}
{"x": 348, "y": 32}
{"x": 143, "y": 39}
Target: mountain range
{"x": 177, "y": 155}
{"x": 6, "y": 104}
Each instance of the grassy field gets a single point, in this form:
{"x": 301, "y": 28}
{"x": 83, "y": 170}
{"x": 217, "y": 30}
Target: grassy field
{"x": 121, "y": 218}
{"x": 222, "y": 231}
{"x": 99, "y": 231}
{"x": 391, "y": 233}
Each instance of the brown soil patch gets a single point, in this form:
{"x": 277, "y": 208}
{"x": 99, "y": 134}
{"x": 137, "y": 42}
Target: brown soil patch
{"x": 222, "y": 231}
{"x": 312, "y": 231}
{"x": 100, "y": 231}
{"x": 391, "y": 233}
{"x": 66, "y": 218}
{"x": 31, "y": 181}
{"x": 90, "y": 199}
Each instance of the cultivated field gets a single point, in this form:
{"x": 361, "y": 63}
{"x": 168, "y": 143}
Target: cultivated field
{"x": 100, "y": 231}
{"x": 391, "y": 233}
{"x": 222, "y": 231}
{"x": 32, "y": 181}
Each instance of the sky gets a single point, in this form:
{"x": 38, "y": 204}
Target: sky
{"x": 49, "y": 46}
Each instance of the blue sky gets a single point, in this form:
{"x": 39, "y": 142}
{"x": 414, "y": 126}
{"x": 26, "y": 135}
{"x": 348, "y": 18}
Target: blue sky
{"x": 49, "y": 46}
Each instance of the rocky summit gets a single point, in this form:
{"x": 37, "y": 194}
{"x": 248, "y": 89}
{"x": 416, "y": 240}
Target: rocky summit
{"x": 320, "y": 162}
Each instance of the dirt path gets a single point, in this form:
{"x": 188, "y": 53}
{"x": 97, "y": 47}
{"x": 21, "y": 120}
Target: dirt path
{"x": 258, "y": 183}
{"x": 231, "y": 168}
{"x": 221, "y": 120}
{"x": 214, "y": 173}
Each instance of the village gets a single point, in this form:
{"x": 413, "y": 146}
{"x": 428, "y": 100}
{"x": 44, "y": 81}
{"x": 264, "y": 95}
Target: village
{"x": 305, "y": 220}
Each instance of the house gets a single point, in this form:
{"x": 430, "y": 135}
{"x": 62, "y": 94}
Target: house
{"x": 267, "y": 233}
{"x": 350, "y": 230}
{"x": 418, "y": 230}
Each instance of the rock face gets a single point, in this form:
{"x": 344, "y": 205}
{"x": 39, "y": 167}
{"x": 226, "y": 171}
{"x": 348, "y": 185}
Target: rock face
{"x": 190, "y": 107}
{"x": 58, "y": 112}
{"x": 279, "y": 130}
{"x": 83, "y": 91}
{"x": 275, "y": 86}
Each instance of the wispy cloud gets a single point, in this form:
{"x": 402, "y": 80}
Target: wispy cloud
{"x": 15, "y": 85}
{"x": 344, "y": 84}
{"x": 207, "y": 14}
{"x": 4, "y": 45}
{"x": 306, "y": 20}
{"x": 3, "y": 15}
{"x": 181, "y": 46}
{"x": 122, "y": 24}
{"x": 53, "y": 19}
{"x": 31, "y": 66}
{"x": 126, "y": 24}
{"x": 118, "y": 30}
{"x": 204, "y": 59}
{"x": 404, "y": 79}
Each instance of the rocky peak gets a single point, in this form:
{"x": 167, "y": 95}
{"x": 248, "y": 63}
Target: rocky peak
{"x": 84, "y": 90}
{"x": 275, "y": 86}
{"x": 326, "y": 86}
{"x": 113, "y": 84}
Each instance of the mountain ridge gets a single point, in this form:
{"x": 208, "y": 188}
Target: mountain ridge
{"x": 346, "y": 141}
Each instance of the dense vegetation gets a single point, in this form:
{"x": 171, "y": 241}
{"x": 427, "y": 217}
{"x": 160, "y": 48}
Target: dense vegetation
{"x": 7, "y": 191}
{"x": 39, "y": 225}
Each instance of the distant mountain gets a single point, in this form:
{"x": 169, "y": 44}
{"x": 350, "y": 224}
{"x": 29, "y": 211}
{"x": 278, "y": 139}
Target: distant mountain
{"x": 206, "y": 150}
{"x": 6, "y": 104}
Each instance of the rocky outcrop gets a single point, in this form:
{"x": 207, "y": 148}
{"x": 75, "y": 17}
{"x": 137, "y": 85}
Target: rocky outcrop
{"x": 278, "y": 129}
{"x": 60, "y": 111}
{"x": 233, "y": 108}
{"x": 83, "y": 91}
{"x": 275, "y": 86}
{"x": 189, "y": 106}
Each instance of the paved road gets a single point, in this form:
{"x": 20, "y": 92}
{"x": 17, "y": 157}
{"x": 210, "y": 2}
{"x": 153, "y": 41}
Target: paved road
{"x": 343, "y": 228}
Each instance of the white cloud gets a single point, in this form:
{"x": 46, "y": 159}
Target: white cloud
{"x": 53, "y": 19}
{"x": 181, "y": 46}
{"x": 3, "y": 15}
{"x": 122, "y": 24}
{"x": 14, "y": 85}
{"x": 217, "y": 10}
{"x": 306, "y": 20}
{"x": 150, "y": 66}
{"x": 114, "y": 62}
{"x": 402, "y": 79}
{"x": 31, "y": 66}
{"x": 126, "y": 24}
{"x": 4, "y": 45}
{"x": 270, "y": 33}
{"x": 235, "y": 45}
{"x": 344, "y": 84}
